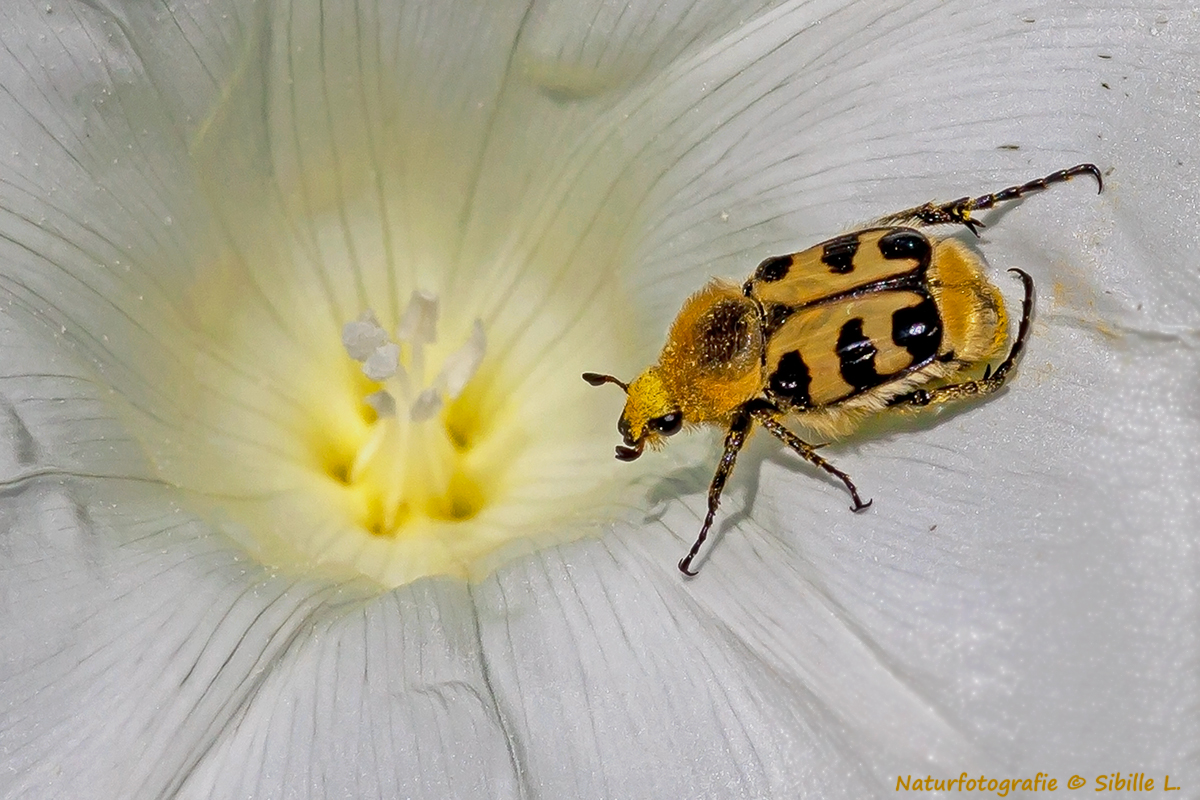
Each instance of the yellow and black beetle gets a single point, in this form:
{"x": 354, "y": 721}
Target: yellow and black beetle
{"x": 881, "y": 318}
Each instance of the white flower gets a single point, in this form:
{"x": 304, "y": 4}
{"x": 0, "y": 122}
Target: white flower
{"x": 201, "y": 598}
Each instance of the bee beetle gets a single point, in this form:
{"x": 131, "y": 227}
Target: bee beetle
{"x": 880, "y": 318}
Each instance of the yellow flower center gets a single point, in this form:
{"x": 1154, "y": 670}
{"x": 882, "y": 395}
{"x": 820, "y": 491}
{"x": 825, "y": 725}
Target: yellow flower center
{"x": 437, "y": 435}
{"x": 415, "y": 461}
{"x": 377, "y": 367}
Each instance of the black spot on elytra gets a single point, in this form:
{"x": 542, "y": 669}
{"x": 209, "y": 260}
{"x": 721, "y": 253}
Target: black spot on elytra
{"x": 857, "y": 356}
{"x": 790, "y": 380}
{"x": 773, "y": 269}
{"x": 839, "y": 253}
{"x": 918, "y": 329}
{"x": 905, "y": 243}
{"x": 723, "y": 334}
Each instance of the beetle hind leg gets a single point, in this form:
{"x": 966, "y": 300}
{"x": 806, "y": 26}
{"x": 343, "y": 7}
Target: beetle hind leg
{"x": 958, "y": 212}
{"x": 992, "y": 380}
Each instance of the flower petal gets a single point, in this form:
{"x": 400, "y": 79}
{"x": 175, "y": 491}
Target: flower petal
{"x": 382, "y": 698}
{"x": 140, "y": 636}
{"x": 623, "y": 681}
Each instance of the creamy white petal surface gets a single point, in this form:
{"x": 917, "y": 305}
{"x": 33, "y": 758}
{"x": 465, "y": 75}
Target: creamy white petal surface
{"x": 1021, "y": 597}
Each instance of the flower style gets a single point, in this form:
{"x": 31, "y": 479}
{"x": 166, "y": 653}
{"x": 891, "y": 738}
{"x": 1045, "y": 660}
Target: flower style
{"x": 303, "y": 495}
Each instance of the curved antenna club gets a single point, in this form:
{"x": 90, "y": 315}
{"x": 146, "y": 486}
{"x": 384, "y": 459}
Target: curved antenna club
{"x": 596, "y": 379}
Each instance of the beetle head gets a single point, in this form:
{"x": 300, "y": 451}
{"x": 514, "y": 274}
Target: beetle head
{"x": 650, "y": 412}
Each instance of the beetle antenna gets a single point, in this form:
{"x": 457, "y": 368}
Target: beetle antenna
{"x": 596, "y": 379}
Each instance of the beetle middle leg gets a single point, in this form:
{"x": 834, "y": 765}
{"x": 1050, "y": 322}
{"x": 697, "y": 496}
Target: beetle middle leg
{"x": 768, "y": 418}
{"x": 992, "y": 379}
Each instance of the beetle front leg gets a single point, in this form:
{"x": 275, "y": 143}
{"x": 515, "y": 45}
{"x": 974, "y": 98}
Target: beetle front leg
{"x": 739, "y": 428}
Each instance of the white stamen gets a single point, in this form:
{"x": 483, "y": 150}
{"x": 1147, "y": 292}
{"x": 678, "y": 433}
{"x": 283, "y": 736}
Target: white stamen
{"x": 418, "y": 324}
{"x": 426, "y": 405}
{"x": 406, "y": 457}
{"x": 383, "y": 403}
{"x": 461, "y": 365}
{"x": 416, "y": 362}
{"x": 363, "y": 335}
{"x": 400, "y": 385}
{"x": 383, "y": 362}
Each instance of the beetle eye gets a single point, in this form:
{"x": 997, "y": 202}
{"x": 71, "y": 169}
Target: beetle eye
{"x": 668, "y": 424}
